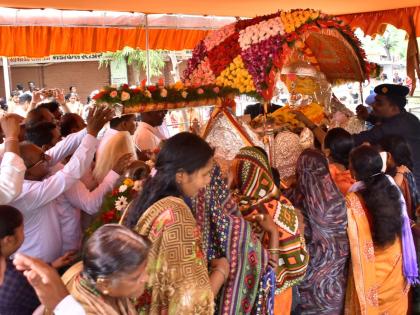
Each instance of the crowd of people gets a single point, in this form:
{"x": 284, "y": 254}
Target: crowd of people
{"x": 338, "y": 237}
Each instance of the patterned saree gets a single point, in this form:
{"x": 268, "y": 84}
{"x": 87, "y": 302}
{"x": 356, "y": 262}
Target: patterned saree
{"x": 257, "y": 193}
{"x": 226, "y": 234}
{"x": 178, "y": 277}
{"x": 376, "y": 282}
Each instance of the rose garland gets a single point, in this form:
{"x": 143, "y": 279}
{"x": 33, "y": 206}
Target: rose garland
{"x": 114, "y": 204}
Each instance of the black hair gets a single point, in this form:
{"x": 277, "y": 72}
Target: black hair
{"x": 40, "y": 134}
{"x": 115, "y": 122}
{"x": 25, "y": 98}
{"x": 183, "y": 152}
{"x": 380, "y": 196}
{"x": 15, "y": 93}
{"x": 71, "y": 86}
{"x": 52, "y": 106}
{"x": 19, "y": 86}
{"x": 10, "y": 220}
{"x": 400, "y": 150}
{"x": 340, "y": 143}
{"x": 68, "y": 122}
{"x": 35, "y": 116}
{"x": 112, "y": 250}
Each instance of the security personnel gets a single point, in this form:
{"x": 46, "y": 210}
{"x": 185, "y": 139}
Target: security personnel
{"x": 389, "y": 106}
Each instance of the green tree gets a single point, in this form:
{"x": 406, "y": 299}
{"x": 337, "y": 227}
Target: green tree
{"x": 137, "y": 59}
{"x": 394, "y": 43}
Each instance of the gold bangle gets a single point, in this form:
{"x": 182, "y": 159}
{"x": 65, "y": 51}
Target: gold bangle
{"x": 221, "y": 271}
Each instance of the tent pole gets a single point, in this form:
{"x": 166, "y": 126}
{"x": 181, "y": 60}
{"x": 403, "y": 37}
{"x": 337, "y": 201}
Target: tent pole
{"x": 147, "y": 52}
{"x": 6, "y": 75}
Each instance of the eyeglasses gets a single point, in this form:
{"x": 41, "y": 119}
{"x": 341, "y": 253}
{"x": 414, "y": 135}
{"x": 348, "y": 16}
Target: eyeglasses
{"x": 42, "y": 160}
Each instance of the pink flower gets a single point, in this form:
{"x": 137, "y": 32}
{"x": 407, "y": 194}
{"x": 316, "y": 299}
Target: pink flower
{"x": 113, "y": 94}
{"x": 200, "y": 91}
{"x": 125, "y": 96}
{"x": 216, "y": 90}
{"x": 163, "y": 93}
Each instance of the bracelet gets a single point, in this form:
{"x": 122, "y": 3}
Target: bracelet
{"x": 274, "y": 250}
{"x": 10, "y": 139}
{"x": 221, "y": 271}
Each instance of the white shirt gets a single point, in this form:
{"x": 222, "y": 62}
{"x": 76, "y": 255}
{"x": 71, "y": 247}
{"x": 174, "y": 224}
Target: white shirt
{"x": 69, "y": 306}
{"x": 147, "y": 138}
{"x": 77, "y": 198}
{"x": 12, "y": 172}
{"x": 109, "y": 133}
{"x": 38, "y": 202}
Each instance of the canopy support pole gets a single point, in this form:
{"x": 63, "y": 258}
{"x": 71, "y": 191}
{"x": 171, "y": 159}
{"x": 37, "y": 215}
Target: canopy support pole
{"x": 147, "y": 52}
{"x": 6, "y": 75}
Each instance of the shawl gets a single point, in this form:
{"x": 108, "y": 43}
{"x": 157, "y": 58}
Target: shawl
{"x": 376, "y": 283}
{"x": 92, "y": 301}
{"x": 257, "y": 193}
{"x": 178, "y": 277}
{"x": 226, "y": 234}
{"x": 324, "y": 211}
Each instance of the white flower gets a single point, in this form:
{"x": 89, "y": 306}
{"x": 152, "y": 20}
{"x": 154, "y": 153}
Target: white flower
{"x": 184, "y": 94}
{"x": 122, "y": 188}
{"x": 121, "y": 203}
{"x": 137, "y": 185}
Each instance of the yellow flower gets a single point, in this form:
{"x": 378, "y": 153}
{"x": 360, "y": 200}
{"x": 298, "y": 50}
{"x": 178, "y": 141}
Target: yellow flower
{"x": 128, "y": 182}
{"x": 179, "y": 86}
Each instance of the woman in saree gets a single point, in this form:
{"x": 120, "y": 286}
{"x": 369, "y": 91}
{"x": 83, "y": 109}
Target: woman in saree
{"x": 383, "y": 258}
{"x": 337, "y": 146}
{"x": 257, "y": 194}
{"x": 323, "y": 207}
{"x": 225, "y": 233}
{"x": 113, "y": 271}
{"x": 179, "y": 281}
{"x": 400, "y": 167}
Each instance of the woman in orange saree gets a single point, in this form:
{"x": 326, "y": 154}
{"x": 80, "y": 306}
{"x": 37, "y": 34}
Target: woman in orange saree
{"x": 383, "y": 258}
{"x": 337, "y": 146}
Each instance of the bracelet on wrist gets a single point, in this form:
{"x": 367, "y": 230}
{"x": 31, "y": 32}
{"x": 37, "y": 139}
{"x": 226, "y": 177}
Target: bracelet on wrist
{"x": 221, "y": 272}
{"x": 10, "y": 139}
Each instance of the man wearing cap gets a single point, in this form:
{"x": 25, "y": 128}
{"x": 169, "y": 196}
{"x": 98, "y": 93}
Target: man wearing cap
{"x": 389, "y": 104}
{"x": 388, "y": 107}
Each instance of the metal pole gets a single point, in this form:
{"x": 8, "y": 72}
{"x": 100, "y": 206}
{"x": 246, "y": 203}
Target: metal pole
{"x": 147, "y": 53}
{"x": 6, "y": 75}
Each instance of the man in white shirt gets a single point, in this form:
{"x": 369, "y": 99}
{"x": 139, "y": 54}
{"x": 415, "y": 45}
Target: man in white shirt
{"x": 123, "y": 123}
{"x": 77, "y": 197}
{"x": 38, "y": 200}
{"x": 147, "y": 136}
{"x": 12, "y": 168}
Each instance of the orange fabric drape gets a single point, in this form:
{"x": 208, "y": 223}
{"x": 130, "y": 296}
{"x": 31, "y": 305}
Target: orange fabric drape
{"x": 407, "y": 19}
{"x": 41, "y": 41}
{"x": 374, "y": 22}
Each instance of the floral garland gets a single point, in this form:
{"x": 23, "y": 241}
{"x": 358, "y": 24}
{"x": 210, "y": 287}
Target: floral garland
{"x": 158, "y": 97}
{"x": 115, "y": 203}
{"x": 260, "y": 42}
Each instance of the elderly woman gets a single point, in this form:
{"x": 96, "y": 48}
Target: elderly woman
{"x": 113, "y": 271}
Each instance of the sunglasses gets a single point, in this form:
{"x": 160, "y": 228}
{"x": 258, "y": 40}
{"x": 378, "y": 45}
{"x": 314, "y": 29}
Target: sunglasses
{"x": 42, "y": 160}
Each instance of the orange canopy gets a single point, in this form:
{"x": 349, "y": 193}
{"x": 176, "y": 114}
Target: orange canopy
{"x": 244, "y": 8}
{"x": 40, "y": 41}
